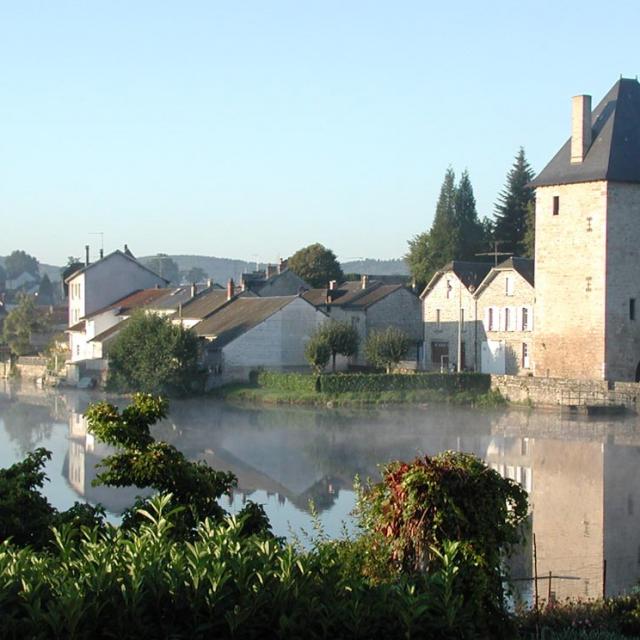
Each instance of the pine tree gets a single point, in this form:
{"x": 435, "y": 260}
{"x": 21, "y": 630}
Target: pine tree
{"x": 530, "y": 233}
{"x": 470, "y": 232}
{"x": 510, "y": 218}
{"x": 443, "y": 237}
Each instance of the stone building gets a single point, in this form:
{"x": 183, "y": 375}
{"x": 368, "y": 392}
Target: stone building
{"x": 449, "y": 309}
{"x": 587, "y": 237}
{"x": 505, "y": 310}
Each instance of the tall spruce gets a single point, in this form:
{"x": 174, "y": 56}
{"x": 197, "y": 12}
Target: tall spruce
{"x": 470, "y": 232}
{"x": 530, "y": 232}
{"x": 510, "y": 217}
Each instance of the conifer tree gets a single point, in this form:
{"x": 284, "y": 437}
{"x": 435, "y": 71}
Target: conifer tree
{"x": 470, "y": 232}
{"x": 530, "y": 233}
{"x": 510, "y": 217}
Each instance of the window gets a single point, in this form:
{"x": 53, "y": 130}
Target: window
{"x": 507, "y": 319}
{"x": 438, "y": 327}
{"x": 440, "y": 353}
{"x": 449, "y": 288}
{"x": 491, "y": 314}
{"x": 525, "y": 319}
{"x": 508, "y": 286}
{"x": 556, "y": 205}
{"x": 589, "y": 220}
{"x": 525, "y": 356}
{"x": 632, "y": 308}
{"x": 588, "y": 284}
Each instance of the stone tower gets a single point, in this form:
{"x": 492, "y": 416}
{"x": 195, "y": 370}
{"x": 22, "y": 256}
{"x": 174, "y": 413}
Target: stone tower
{"x": 587, "y": 257}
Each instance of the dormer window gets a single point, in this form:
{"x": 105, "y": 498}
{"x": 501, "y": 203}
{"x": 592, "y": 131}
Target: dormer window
{"x": 556, "y": 205}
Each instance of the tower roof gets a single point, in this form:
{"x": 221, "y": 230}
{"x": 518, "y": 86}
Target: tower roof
{"x": 614, "y": 154}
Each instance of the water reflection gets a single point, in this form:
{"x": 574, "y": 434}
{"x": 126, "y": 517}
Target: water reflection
{"x": 582, "y": 477}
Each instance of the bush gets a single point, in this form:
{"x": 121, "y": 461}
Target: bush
{"x": 384, "y": 349}
{"x": 293, "y": 382}
{"x": 373, "y": 382}
{"x": 152, "y": 355}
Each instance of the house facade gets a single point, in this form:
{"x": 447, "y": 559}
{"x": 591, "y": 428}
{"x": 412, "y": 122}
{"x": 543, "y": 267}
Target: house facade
{"x": 587, "y": 239}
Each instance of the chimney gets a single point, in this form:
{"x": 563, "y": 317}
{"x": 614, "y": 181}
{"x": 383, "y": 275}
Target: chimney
{"x": 282, "y": 265}
{"x": 194, "y": 289}
{"x": 231, "y": 289}
{"x": 271, "y": 270}
{"x": 210, "y": 283}
{"x": 86, "y": 255}
{"x": 365, "y": 281}
{"x": 580, "y": 128}
{"x": 332, "y": 285}
{"x": 101, "y": 254}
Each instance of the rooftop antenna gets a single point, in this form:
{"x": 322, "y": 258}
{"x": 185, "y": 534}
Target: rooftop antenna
{"x": 495, "y": 253}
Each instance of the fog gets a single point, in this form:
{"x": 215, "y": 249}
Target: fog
{"x": 582, "y": 474}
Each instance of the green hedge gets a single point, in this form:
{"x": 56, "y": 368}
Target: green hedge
{"x": 294, "y": 382}
{"x": 372, "y": 382}
{"x": 335, "y": 383}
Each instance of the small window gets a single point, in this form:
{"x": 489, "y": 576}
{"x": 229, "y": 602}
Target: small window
{"x": 508, "y": 286}
{"x": 507, "y": 319}
{"x": 525, "y": 319}
{"x": 589, "y": 220}
{"x": 632, "y": 308}
{"x": 490, "y": 318}
{"x": 588, "y": 285}
{"x": 556, "y": 205}
{"x": 525, "y": 356}
{"x": 449, "y": 288}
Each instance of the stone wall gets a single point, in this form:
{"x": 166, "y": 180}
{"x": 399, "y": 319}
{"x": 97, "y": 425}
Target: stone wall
{"x": 31, "y": 367}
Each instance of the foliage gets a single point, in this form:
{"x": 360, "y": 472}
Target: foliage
{"x": 19, "y": 262}
{"x": 45, "y": 291}
{"x": 375, "y": 382}
{"x": 316, "y": 264}
{"x": 386, "y": 348}
{"x": 26, "y": 517}
{"x": 529, "y": 241}
{"x": 510, "y": 218}
{"x": 143, "y": 462}
{"x": 195, "y": 274}
{"x": 73, "y": 265}
{"x": 341, "y": 338}
{"x": 3, "y": 278}
{"x": 456, "y": 232}
{"x": 287, "y": 381}
{"x": 164, "y": 266}
{"x": 222, "y": 584}
{"x": 19, "y": 324}
{"x": 317, "y": 352}
{"x": 420, "y": 507}
{"x": 152, "y": 355}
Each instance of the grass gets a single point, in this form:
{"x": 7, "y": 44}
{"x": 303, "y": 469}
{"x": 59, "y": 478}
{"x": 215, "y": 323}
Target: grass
{"x": 251, "y": 393}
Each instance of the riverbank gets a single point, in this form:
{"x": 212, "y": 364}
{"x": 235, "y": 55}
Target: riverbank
{"x": 251, "y": 393}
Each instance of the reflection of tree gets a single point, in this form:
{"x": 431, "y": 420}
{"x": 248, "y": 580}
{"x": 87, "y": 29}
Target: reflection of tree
{"x": 27, "y": 424}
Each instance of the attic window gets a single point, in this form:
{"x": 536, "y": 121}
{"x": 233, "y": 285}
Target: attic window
{"x": 556, "y": 205}
{"x": 588, "y": 287}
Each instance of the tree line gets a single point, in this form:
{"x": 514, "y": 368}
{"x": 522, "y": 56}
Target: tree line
{"x": 457, "y": 232}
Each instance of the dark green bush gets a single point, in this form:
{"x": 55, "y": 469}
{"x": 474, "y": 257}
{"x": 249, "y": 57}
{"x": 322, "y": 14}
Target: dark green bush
{"x": 293, "y": 382}
{"x": 368, "y": 382}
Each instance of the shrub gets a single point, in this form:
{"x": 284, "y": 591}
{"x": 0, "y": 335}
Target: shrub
{"x": 385, "y": 349}
{"x": 317, "y": 352}
{"x": 293, "y": 382}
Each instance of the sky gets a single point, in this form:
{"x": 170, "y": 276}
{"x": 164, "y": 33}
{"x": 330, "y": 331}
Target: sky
{"x": 250, "y": 129}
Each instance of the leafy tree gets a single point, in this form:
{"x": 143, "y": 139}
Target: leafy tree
{"x": 20, "y": 262}
{"x": 45, "y": 291}
{"x": 152, "y": 355}
{"x": 529, "y": 242}
{"x": 342, "y": 339}
{"x": 164, "y": 266}
{"x": 195, "y": 274}
{"x": 19, "y": 324}
{"x": 386, "y": 348}
{"x": 316, "y": 265}
{"x": 73, "y": 265}
{"x": 317, "y": 352}
{"x": 510, "y": 217}
{"x": 419, "y": 261}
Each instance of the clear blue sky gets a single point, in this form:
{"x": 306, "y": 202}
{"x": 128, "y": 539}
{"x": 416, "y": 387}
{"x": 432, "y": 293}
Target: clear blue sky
{"x": 249, "y": 129}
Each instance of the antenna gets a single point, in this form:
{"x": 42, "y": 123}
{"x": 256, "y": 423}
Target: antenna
{"x": 495, "y": 253}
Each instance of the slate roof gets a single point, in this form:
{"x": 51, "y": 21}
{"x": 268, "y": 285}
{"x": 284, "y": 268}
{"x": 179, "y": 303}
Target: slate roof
{"x": 171, "y": 299}
{"x": 614, "y": 154}
{"x": 111, "y": 332}
{"x": 471, "y": 274}
{"x": 523, "y": 266}
{"x": 204, "y": 304}
{"x": 240, "y": 315}
{"x": 351, "y": 294}
{"x": 133, "y": 301}
{"x": 127, "y": 255}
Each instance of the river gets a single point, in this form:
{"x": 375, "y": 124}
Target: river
{"x": 582, "y": 474}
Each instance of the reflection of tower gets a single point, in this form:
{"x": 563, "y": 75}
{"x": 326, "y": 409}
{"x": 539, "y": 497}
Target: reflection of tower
{"x": 77, "y": 448}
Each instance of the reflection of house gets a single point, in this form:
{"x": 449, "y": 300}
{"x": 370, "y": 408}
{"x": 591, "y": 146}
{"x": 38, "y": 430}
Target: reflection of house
{"x": 249, "y": 333}
{"x": 369, "y": 305}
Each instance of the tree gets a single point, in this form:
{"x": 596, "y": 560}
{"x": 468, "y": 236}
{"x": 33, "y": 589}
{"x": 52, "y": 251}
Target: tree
{"x": 444, "y": 234}
{"x": 45, "y": 291}
{"x": 20, "y": 262}
{"x": 470, "y": 231}
{"x": 317, "y": 352}
{"x": 316, "y": 265}
{"x": 530, "y": 233}
{"x": 3, "y": 278}
{"x": 386, "y": 348}
{"x": 510, "y": 217}
{"x": 152, "y": 355}
{"x": 164, "y": 266}
{"x": 195, "y": 274}
{"x": 73, "y": 265}
{"x": 19, "y": 324}
{"x": 341, "y": 338}
{"x": 418, "y": 259}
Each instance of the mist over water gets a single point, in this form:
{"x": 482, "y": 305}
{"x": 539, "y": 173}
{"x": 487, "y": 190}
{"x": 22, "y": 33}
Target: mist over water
{"x": 582, "y": 475}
